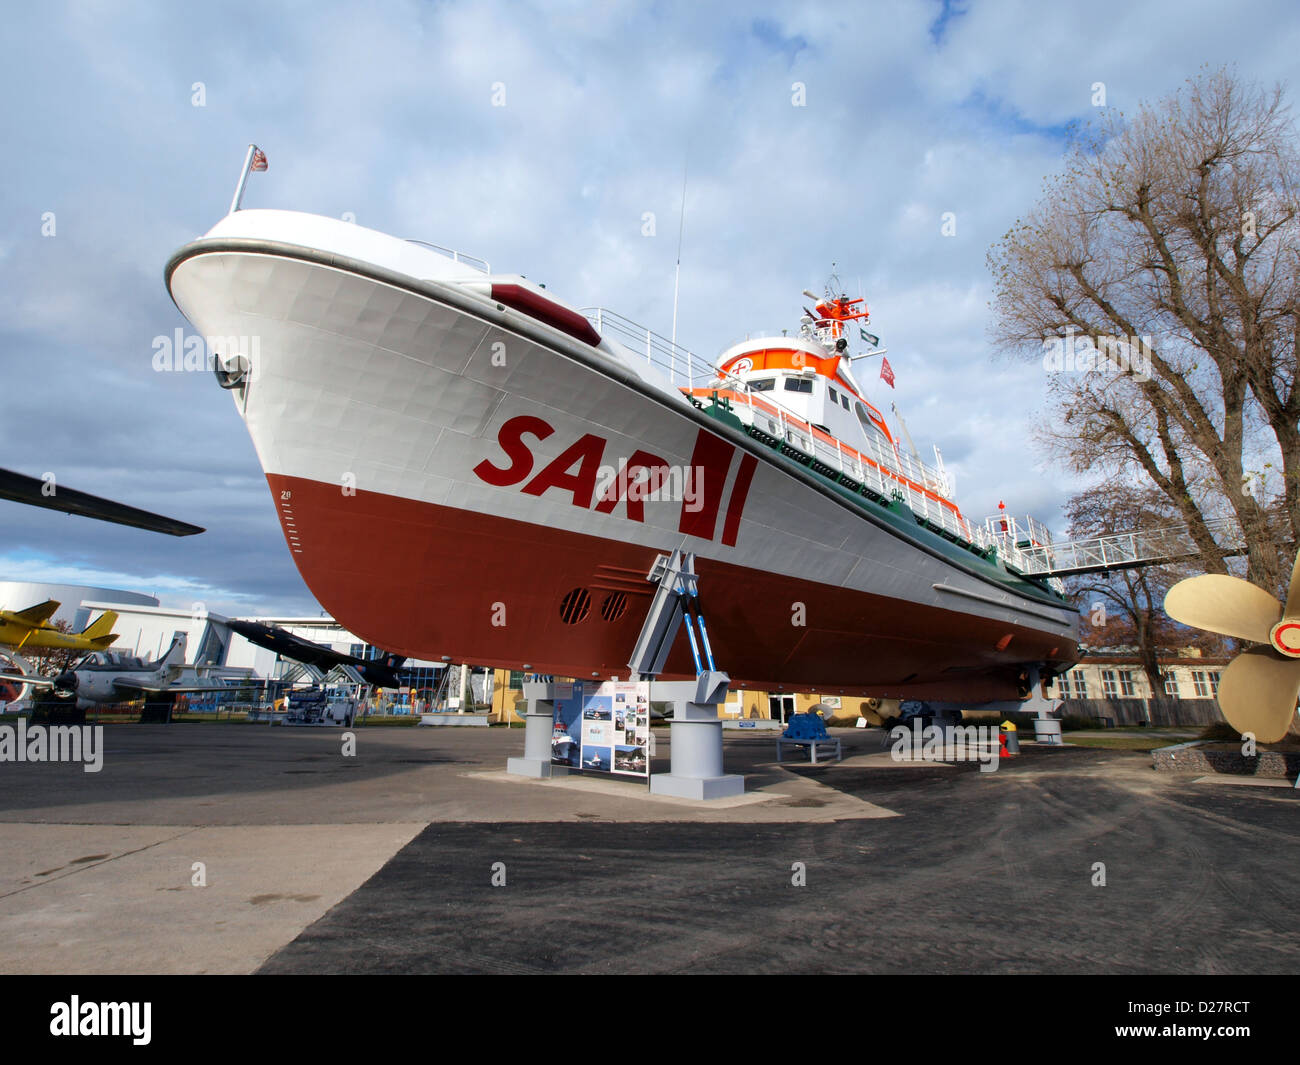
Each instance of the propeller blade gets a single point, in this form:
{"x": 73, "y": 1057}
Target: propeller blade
{"x": 1258, "y": 693}
{"x": 1293, "y": 593}
{"x": 1227, "y": 605}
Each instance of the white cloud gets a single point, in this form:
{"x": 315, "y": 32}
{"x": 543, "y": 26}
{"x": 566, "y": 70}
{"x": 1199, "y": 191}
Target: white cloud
{"x": 390, "y": 116}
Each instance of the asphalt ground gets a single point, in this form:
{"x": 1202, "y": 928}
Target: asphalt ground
{"x": 312, "y": 862}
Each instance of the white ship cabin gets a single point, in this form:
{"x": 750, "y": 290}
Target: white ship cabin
{"x": 801, "y": 392}
{"x": 815, "y": 388}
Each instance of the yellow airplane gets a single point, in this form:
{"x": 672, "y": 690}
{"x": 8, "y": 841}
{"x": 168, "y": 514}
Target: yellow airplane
{"x": 31, "y": 628}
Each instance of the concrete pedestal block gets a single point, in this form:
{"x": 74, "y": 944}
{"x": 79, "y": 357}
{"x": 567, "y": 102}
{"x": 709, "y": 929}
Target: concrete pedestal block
{"x": 696, "y": 734}
{"x": 696, "y": 760}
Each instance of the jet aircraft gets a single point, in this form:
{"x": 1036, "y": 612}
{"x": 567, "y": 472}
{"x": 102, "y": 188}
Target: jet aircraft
{"x": 115, "y": 677}
{"x": 36, "y": 492}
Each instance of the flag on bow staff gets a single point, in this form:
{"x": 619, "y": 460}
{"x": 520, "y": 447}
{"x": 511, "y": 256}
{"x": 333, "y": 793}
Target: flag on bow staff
{"x": 254, "y": 160}
{"x": 886, "y": 373}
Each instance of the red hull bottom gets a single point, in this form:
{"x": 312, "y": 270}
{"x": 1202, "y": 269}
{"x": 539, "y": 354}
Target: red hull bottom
{"x": 430, "y": 581}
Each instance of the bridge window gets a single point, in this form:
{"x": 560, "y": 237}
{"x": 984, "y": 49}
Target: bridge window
{"x": 844, "y": 402}
{"x": 798, "y": 384}
{"x": 762, "y": 384}
{"x": 835, "y": 396}
{"x": 871, "y": 428}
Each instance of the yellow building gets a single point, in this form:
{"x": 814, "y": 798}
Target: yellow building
{"x": 508, "y": 702}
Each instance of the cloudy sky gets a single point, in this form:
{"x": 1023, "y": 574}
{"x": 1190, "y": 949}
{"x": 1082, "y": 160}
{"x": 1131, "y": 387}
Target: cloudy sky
{"x": 128, "y": 123}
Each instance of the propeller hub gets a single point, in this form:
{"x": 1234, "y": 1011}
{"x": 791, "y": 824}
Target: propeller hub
{"x": 1285, "y": 638}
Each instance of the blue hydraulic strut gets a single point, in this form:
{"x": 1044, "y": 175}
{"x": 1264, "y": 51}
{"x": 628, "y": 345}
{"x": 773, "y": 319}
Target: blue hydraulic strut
{"x": 704, "y": 639}
{"x": 695, "y": 648}
{"x": 691, "y": 612}
{"x": 704, "y": 633}
{"x": 684, "y": 598}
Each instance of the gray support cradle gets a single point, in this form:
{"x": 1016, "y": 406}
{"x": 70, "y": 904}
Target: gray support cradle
{"x": 695, "y": 739}
{"x": 695, "y": 735}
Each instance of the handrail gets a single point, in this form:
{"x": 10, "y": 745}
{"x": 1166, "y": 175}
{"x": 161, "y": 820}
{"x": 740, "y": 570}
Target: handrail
{"x": 1119, "y": 550}
{"x": 456, "y": 256}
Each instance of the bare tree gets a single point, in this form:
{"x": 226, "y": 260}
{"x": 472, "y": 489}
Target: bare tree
{"x": 1166, "y": 261}
{"x": 1126, "y": 607}
{"x": 51, "y": 661}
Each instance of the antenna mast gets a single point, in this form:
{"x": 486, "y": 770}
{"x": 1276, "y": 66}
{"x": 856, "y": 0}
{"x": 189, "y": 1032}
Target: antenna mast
{"x": 677, "y": 276}
{"x": 903, "y": 425}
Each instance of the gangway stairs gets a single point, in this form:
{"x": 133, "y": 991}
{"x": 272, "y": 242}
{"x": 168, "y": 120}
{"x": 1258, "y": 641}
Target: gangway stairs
{"x": 347, "y": 674}
{"x": 290, "y": 672}
{"x": 1031, "y": 551}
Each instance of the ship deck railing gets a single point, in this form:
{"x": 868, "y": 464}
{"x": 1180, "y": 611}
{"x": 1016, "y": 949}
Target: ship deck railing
{"x": 455, "y": 256}
{"x": 689, "y": 371}
{"x": 888, "y": 473}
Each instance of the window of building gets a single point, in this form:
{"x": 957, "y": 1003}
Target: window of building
{"x": 798, "y": 384}
{"x": 1063, "y": 685}
{"x": 516, "y": 679}
{"x": 1214, "y": 683}
{"x": 1171, "y": 683}
{"x": 1200, "y": 685}
{"x": 1126, "y": 686}
{"x": 762, "y": 384}
{"x": 1109, "y": 684}
{"x": 1080, "y": 684}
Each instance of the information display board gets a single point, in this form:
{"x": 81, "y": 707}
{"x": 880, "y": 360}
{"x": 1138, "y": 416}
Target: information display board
{"x": 604, "y": 728}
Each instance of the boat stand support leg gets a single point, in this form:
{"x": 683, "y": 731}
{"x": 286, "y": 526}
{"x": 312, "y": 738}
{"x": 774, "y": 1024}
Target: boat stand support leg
{"x": 695, "y": 736}
{"x": 539, "y": 723}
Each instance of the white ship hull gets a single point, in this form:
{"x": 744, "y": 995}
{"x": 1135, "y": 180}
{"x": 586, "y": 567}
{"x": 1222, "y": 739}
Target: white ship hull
{"x": 410, "y": 427}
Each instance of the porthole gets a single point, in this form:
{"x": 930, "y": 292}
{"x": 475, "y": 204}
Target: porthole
{"x": 574, "y": 606}
{"x": 613, "y": 606}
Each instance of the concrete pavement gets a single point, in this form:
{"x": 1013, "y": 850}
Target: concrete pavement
{"x": 316, "y": 862}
